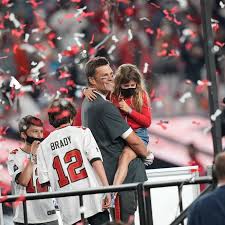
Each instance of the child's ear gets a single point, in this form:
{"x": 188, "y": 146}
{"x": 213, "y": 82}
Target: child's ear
{"x": 23, "y": 135}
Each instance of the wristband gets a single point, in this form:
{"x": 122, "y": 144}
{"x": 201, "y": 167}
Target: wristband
{"x": 32, "y": 158}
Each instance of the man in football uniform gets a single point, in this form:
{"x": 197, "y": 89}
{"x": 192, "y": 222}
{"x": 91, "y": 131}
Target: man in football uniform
{"x": 23, "y": 169}
{"x": 70, "y": 159}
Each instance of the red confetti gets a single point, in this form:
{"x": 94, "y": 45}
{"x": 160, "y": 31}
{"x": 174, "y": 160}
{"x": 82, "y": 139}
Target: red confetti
{"x": 5, "y": 2}
{"x": 215, "y": 27}
{"x": 74, "y": 50}
{"x": 195, "y": 122}
{"x": 160, "y": 33}
{"x": 92, "y": 39}
{"x": 129, "y": 11}
{"x": 220, "y": 44}
{"x": 63, "y": 90}
{"x": 70, "y": 83}
{"x": 17, "y": 33}
{"x": 64, "y": 74}
{"x": 149, "y": 31}
{"x": 161, "y": 124}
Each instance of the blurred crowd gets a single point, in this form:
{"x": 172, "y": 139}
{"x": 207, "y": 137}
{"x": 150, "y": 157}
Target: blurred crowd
{"x": 44, "y": 45}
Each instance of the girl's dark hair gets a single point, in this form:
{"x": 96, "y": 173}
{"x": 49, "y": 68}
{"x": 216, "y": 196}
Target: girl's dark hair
{"x": 60, "y": 112}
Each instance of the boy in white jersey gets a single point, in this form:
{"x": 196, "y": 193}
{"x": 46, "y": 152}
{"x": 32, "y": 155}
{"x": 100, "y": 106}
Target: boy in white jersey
{"x": 70, "y": 159}
{"x": 23, "y": 169}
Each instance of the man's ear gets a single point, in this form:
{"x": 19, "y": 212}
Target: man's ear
{"x": 92, "y": 80}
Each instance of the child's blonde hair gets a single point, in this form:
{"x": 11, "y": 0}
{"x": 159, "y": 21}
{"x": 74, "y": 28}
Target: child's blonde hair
{"x": 126, "y": 73}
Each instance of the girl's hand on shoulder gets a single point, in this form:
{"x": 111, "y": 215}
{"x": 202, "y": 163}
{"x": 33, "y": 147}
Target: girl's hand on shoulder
{"x": 89, "y": 93}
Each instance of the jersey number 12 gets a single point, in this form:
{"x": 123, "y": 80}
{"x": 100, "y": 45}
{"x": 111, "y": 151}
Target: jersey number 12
{"x": 73, "y": 169}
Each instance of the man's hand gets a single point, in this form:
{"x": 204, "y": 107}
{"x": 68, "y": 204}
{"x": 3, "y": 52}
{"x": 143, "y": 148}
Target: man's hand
{"x": 106, "y": 202}
{"x": 124, "y": 107}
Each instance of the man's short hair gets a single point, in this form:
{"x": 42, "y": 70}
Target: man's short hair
{"x": 220, "y": 166}
{"x": 60, "y": 112}
{"x": 93, "y": 64}
{"x": 27, "y": 121}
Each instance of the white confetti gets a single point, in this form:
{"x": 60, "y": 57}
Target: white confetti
{"x": 111, "y": 49}
{"x": 216, "y": 114}
{"x": 33, "y": 63}
{"x": 130, "y": 35}
{"x": 207, "y": 129}
{"x": 35, "y": 71}
{"x": 185, "y": 96}
{"x": 80, "y": 35}
{"x": 77, "y": 40}
{"x": 144, "y": 18}
{"x": 115, "y": 39}
{"x": 26, "y": 37}
{"x": 14, "y": 20}
{"x": 59, "y": 57}
{"x": 200, "y": 82}
{"x": 145, "y": 70}
{"x": 15, "y": 83}
{"x": 222, "y": 5}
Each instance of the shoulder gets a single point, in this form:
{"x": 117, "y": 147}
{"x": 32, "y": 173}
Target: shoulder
{"x": 14, "y": 151}
{"x": 13, "y": 154}
{"x": 205, "y": 202}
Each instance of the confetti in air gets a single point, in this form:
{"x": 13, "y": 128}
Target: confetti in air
{"x": 14, "y": 20}
{"x": 15, "y": 83}
{"x": 185, "y": 96}
{"x": 111, "y": 49}
{"x": 145, "y": 70}
{"x": 216, "y": 114}
{"x": 222, "y": 5}
{"x": 130, "y": 35}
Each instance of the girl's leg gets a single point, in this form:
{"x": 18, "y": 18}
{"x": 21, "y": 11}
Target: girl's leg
{"x": 125, "y": 158}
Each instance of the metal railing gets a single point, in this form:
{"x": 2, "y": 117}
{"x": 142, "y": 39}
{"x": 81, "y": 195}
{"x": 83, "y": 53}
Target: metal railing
{"x": 143, "y": 196}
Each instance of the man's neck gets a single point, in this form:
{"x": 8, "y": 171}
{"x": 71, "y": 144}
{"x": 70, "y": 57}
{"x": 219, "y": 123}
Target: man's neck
{"x": 63, "y": 125}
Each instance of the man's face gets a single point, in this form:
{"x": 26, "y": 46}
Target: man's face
{"x": 35, "y": 131}
{"x": 103, "y": 80}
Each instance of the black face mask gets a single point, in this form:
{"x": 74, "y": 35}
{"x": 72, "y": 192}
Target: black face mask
{"x": 127, "y": 92}
{"x": 30, "y": 139}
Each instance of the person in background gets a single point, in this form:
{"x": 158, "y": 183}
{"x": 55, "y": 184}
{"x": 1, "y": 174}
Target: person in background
{"x": 210, "y": 208}
{"x": 22, "y": 167}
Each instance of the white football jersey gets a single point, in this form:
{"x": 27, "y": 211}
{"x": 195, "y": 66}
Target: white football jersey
{"x": 38, "y": 211}
{"x": 64, "y": 159}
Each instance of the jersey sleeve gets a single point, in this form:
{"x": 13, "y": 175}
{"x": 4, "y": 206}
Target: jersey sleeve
{"x": 42, "y": 169}
{"x": 113, "y": 122}
{"x": 14, "y": 165}
{"x": 90, "y": 146}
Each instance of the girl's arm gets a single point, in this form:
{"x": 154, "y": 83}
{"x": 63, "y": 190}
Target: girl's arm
{"x": 143, "y": 118}
{"x": 88, "y": 92}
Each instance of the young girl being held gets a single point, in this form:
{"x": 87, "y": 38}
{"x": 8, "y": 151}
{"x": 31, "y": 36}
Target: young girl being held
{"x": 132, "y": 100}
